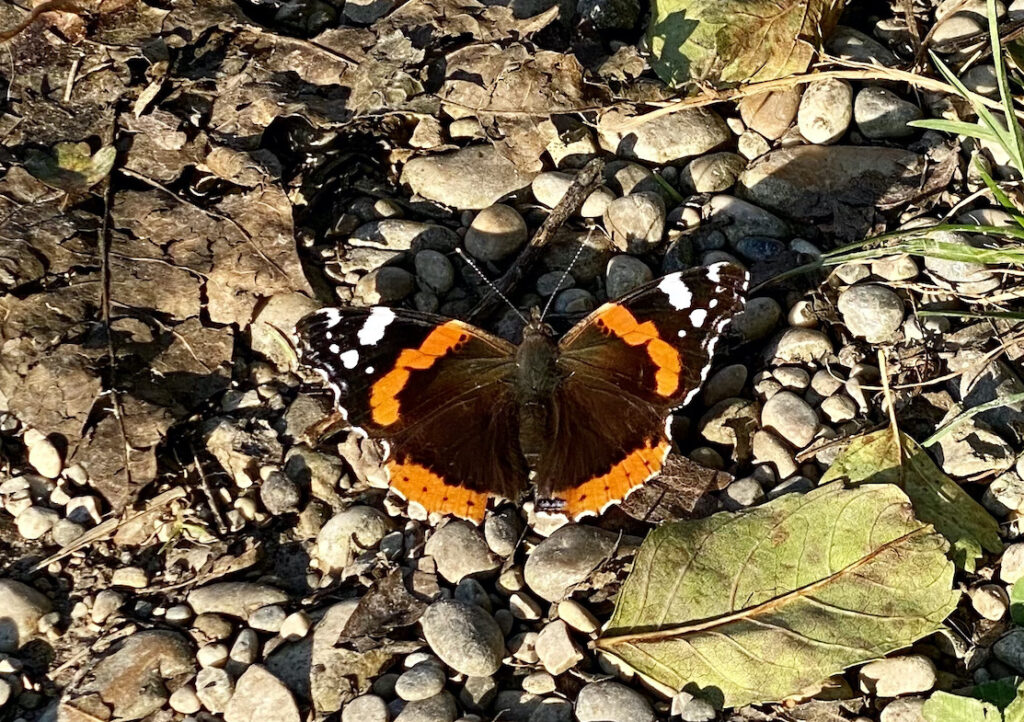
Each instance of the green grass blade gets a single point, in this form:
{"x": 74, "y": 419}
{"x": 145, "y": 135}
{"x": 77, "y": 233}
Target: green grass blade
{"x": 973, "y": 411}
{"x": 956, "y": 127}
{"x": 1013, "y": 127}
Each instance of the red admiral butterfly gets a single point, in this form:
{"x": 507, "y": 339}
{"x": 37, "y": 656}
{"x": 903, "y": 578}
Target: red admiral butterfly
{"x": 466, "y": 415}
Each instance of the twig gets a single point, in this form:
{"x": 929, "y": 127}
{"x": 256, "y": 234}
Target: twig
{"x": 68, "y": 6}
{"x": 211, "y": 499}
{"x": 586, "y": 181}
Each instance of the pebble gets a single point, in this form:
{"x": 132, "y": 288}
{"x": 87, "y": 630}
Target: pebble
{"x": 880, "y": 113}
{"x": 1004, "y": 495}
{"x": 470, "y": 591}
{"x": 574, "y": 148}
{"x": 897, "y": 676}
{"x": 424, "y": 680}
{"x": 184, "y": 700}
{"x": 847, "y": 43}
{"x": 471, "y": 178}
{"x": 724, "y": 383}
{"x": 692, "y": 709}
{"x": 464, "y": 636}
{"x": 246, "y": 649}
{"x": 758, "y": 318}
{"x": 539, "y": 683}
{"x": 825, "y": 110}
{"x": 22, "y": 607}
{"x": 909, "y": 709}
{"x": 742, "y": 493}
{"x": 990, "y": 601}
{"x": 43, "y": 456}
{"x": 663, "y": 140}
{"x": 502, "y": 530}
{"x": 107, "y": 602}
{"x": 577, "y": 616}
{"x": 549, "y": 188}
{"x": 1012, "y": 563}
{"x": 556, "y": 649}
{"x": 261, "y": 697}
{"x": 770, "y": 114}
{"x": 611, "y": 701}
{"x": 367, "y": 708}
{"x": 214, "y": 689}
{"x": 740, "y": 219}
{"x": 523, "y": 606}
{"x": 213, "y": 655}
{"x": 967, "y": 276}
{"x": 752, "y": 145}
{"x": 721, "y": 423}
{"x": 981, "y": 79}
{"x": 434, "y": 271}
{"x": 625, "y": 273}
{"x": 566, "y": 558}
{"x": 268, "y": 619}
{"x": 792, "y": 377}
{"x": 496, "y": 232}
{"x": 347, "y": 535}
{"x": 713, "y": 173}
{"x": 575, "y": 301}
{"x": 478, "y": 693}
{"x": 35, "y": 521}
{"x": 839, "y": 408}
{"x": 396, "y": 235}
{"x": 131, "y": 577}
{"x": 636, "y": 223}
{"x": 234, "y": 599}
{"x": 801, "y": 314}
{"x": 460, "y": 550}
{"x": 439, "y": 708}
{"x": 65, "y": 532}
{"x": 799, "y": 345}
{"x": 790, "y": 416}
{"x": 1009, "y": 649}
{"x": 770, "y": 449}
{"x": 625, "y": 177}
{"x": 897, "y": 268}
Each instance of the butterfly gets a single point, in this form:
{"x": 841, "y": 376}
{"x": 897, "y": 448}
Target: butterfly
{"x": 466, "y": 417}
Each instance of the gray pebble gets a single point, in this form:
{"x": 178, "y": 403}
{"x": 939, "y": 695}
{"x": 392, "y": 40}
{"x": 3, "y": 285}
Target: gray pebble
{"x": 611, "y": 701}
{"x": 792, "y": 377}
{"x": 847, "y": 43}
{"x": 667, "y": 139}
{"x": 825, "y": 110}
{"x": 1011, "y": 567}
{"x": 714, "y": 173}
{"x": 348, "y": 534}
{"x": 214, "y": 688}
{"x": 23, "y": 608}
{"x": 552, "y": 709}
{"x": 460, "y": 550}
{"x": 771, "y": 114}
{"x": 424, "y": 680}
{"x": 692, "y": 709}
{"x": 873, "y": 312}
{"x": 1009, "y": 649}
{"x": 770, "y": 449}
{"x": 478, "y": 693}
{"x": 556, "y": 649}
{"x": 760, "y": 248}
{"x": 575, "y": 301}
{"x": 549, "y": 188}
{"x": 799, "y": 345}
{"x": 386, "y": 284}
{"x": 502, "y": 530}
{"x": 880, "y": 113}
{"x": 729, "y": 417}
{"x": 554, "y": 281}
{"x": 990, "y": 601}
{"x": 742, "y": 493}
{"x": 792, "y": 485}
{"x": 839, "y": 408}
{"x": 474, "y": 177}
{"x": 434, "y": 271}
{"x": 897, "y": 268}
{"x": 636, "y": 223}
{"x": 566, "y": 558}
{"x": 897, "y": 676}
{"x": 464, "y": 636}
{"x": 439, "y": 708}
{"x": 725, "y": 383}
{"x": 790, "y": 416}
{"x": 625, "y": 273}
{"x": 1004, "y": 495}
{"x": 757, "y": 319}
{"x": 471, "y": 591}
{"x": 279, "y": 494}
{"x": 625, "y": 177}
{"x": 495, "y": 233}
{"x": 367, "y": 708}
{"x": 66, "y": 531}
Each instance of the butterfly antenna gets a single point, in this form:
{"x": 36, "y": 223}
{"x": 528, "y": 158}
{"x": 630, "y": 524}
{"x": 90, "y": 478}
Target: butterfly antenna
{"x": 561, "y": 280}
{"x": 469, "y": 261}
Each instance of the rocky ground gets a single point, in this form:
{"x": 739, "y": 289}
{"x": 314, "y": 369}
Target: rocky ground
{"x": 175, "y": 545}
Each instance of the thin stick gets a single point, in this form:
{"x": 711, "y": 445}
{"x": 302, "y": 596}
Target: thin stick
{"x": 67, "y": 6}
{"x": 586, "y": 181}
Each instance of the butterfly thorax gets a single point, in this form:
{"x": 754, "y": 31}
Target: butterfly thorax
{"x": 536, "y": 379}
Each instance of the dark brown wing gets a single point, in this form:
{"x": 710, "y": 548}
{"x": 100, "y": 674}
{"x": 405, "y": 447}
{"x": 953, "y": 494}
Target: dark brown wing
{"x": 624, "y": 368}
{"x": 438, "y": 392}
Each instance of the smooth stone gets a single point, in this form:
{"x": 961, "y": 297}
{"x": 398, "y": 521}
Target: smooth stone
{"x": 825, "y": 110}
{"x": 396, "y": 234}
{"x": 575, "y": 301}
{"x": 982, "y": 79}
{"x": 611, "y": 701}
{"x": 1004, "y": 495}
{"x": 636, "y": 223}
{"x": 496, "y": 232}
{"x": 760, "y": 248}
{"x": 625, "y": 177}
{"x": 234, "y": 599}
{"x": 502, "y": 530}
{"x": 757, "y": 319}
{"x": 1009, "y": 649}
{"x": 751, "y": 145}
{"x": 908, "y": 709}
{"x": 422, "y": 681}
{"x": 713, "y": 173}
{"x": 43, "y": 456}
{"x": 471, "y": 178}
{"x": 972, "y": 449}
{"x": 990, "y": 601}
{"x": 261, "y": 697}
{"x": 439, "y": 708}
{"x": 566, "y": 558}
{"x": 722, "y": 422}
{"x": 740, "y": 219}
{"x": 839, "y": 408}
{"x": 214, "y": 688}
{"x": 666, "y": 139}
{"x": 897, "y": 676}
{"x": 35, "y": 521}
{"x": 22, "y": 607}
{"x": 1011, "y": 566}
{"x": 693, "y": 709}
{"x": 478, "y": 693}
{"x": 724, "y": 383}
{"x": 184, "y": 700}
{"x": 873, "y": 312}
{"x": 850, "y": 44}
{"x": 799, "y": 345}
{"x": 897, "y": 268}
{"x": 624, "y": 274}
{"x": 880, "y": 113}
{"x": 348, "y": 534}
{"x": 957, "y": 272}
{"x": 366, "y": 708}
{"x": 770, "y": 449}
{"x": 464, "y": 636}
{"x": 386, "y": 284}
{"x": 549, "y": 188}
{"x": 556, "y": 649}
{"x": 742, "y": 493}
{"x": 460, "y": 550}
{"x": 434, "y": 271}
{"x": 771, "y": 114}
{"x": 790, "y": 416}
{"x": 577, "y": 616}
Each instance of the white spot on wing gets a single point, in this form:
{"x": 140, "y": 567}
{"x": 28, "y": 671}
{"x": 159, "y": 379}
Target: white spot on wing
{"x": 675, "y": 288}
{"x": 350, "y": 358}
{"x": 698, "y": 316}
{"x": 715, "y": 271}
{"x": 334, "y": 348}
{"x": 369, "y": 370}
{"x": 373, "y": 330}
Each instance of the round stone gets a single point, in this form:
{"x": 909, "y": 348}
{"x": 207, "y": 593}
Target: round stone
{"x": 549, "y": 188}
{"x": 367, "y": 708}
{"x": 496, "y": 232}
{"x": 742, "y": 493}
{"x": 799, "y": 345}
{"x": 477, "y": 693}
{"x": 667, "y": 139}
{"x": 460, "y": 550}
{"x": 873, "y": 312}
{"x": 898, "y": 676}
{"x": 729, "y": 417}
{"x": 636, "y": 223}
{"x": 625, "y": 177}
{"x": 1009, "y": 649}
{"x": 791, "y": 417}
{"x": 611, "y": 701}
{"x": 439, "y": 708}
{"x": 502, "y": 530}
{"x": 757, "y": 319}
{"x": 23, "y": 608}
{"x": 1011, "y": 566}
{"x": 214, "y": 688}
{"x": 725, "y": 383}
{"x": 279, "y": 494}
{"x": 770, "y": 449}
{"x": 990, "y": 601}
{"x": 474, "y": 177}
{"x": 556, "y": 649}
{"x": 35, "y": 521}
{"x": 434, "y": 271}
{"x": 566, "y": 558}
{"x": 880, "y": 113}
{"x": 184, "y": 700}
{"x": 625, "y": 273}
{"x": 825, "y": 110}
{"x": 577, "y": 616}
{"x": 386, "y": 284}
{"x": 424, "y": 680}
{"x": 348, "y": 534}
{"x": 839, "y": 408}
{"x": 714, "y": 173}
{"x": 575, "y": 301}
{"x": 43, "y": 455}
{"x": 464, "y": 636}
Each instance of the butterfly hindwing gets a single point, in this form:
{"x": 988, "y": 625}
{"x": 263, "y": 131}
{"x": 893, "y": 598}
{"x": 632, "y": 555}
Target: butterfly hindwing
{"x": 422, "y": 392}
{"x": 625, "y": 367}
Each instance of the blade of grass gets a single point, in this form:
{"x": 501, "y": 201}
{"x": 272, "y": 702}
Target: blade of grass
{"x": 1001, "y": 315}
{"x": 956, "y": 127}
{"x": 1013, "y": 126}
{"x": 1000, "y": 195}
{"x": 969, "y": 413}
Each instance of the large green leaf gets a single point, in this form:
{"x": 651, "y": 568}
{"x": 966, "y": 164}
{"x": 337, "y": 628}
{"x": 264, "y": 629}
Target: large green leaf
{"x": 736, "y": 41}
{"x": 877, "y": 459}
{"x": 945, "y": 707}
{"x": 763, "y": 605}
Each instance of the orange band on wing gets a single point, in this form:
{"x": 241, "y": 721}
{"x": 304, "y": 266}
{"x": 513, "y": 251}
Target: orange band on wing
{"x": 623, "y": 324}
{"x": 418, "y": 483}
{"x": 384, "y": 394}
{"x": 625, "y": 476}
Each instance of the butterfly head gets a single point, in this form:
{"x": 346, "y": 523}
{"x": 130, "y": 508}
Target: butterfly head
{"x": 536, "y": 326}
